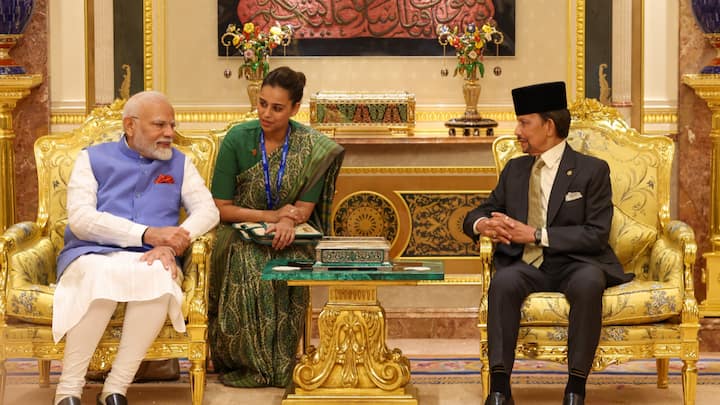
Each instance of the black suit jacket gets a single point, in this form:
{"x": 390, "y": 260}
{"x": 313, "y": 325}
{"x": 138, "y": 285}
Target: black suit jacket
{"x": 579, "y": 214}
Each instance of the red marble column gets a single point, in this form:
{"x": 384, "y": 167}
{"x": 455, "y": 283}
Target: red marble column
{"x": 31, "y": 117}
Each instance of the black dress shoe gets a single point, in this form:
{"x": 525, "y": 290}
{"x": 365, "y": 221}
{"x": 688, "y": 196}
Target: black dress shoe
{"x": 572, "y": 398}
{"x": 113, "y": 399}
{"x": 497, "y": 398}
{"x": 70, "y": 401}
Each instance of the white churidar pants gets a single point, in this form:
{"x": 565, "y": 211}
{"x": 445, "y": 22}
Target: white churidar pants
{"x": 84, "y": 301}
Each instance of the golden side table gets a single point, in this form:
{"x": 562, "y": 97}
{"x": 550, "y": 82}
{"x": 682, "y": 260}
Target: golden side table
{"x": 13, "y": 88}
{"x": 352, "y": 363}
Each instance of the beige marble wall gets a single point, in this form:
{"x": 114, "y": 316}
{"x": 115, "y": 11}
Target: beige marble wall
{"x": 31, "y": 118}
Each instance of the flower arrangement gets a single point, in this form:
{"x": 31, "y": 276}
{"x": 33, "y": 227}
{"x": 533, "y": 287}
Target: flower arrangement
{"x": 255, "y": 46}
{"x": 469, "y": 46}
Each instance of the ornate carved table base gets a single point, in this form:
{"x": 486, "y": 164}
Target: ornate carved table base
{"x": 352, "y": 364}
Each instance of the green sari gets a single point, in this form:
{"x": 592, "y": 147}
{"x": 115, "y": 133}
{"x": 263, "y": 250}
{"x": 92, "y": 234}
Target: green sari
{"x": 255, "y": 325}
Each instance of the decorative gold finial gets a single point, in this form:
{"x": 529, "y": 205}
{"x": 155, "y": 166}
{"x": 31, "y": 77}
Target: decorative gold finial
{"x": 604, "y": 86}
{"x": 125, "y": 85}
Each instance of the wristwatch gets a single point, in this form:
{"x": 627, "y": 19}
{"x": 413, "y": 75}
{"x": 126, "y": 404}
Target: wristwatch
{"x": 538, "y": 236}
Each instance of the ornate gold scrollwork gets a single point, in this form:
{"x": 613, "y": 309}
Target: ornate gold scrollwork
{"x": 352, "y": 352}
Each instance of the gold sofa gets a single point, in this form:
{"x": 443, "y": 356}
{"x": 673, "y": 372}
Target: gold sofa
{"x": 28, "y": 251}
{"x": 653, "y": 316}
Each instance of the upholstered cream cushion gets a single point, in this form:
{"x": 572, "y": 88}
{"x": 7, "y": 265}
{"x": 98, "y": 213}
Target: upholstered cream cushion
{"x": 636, "y": 302}
{"x": 30, "y": 293}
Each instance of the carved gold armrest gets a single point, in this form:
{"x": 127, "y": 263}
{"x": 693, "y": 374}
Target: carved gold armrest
{"x": 19, "y": 236}
{"x": 487, "y": 248}
{"x": 681, "y": 237}
{"x": 196, "y": 272}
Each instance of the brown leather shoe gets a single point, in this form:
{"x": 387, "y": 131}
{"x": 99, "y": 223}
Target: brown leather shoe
{"x": 497, "y": 398}
{"x": 572, "y": 398}
{"x": 112, "y": 399}
{"x": 70, "y": 401}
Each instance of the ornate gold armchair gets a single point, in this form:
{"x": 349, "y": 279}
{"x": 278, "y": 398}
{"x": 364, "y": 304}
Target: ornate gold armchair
{"x": 28, "y": 251}
{"x": 653, "y": 316}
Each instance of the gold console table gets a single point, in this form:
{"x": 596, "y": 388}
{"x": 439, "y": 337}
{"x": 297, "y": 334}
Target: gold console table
{"x": 352, "y": 363}
{"x": 13, "y": 88}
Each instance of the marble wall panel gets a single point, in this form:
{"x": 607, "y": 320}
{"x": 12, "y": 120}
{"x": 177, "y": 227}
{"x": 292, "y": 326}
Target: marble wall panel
{"x": 694, "y": 145}
{"x": 31, "y": 118}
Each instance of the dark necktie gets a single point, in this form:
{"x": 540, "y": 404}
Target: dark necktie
{"x": 534, "y": 254}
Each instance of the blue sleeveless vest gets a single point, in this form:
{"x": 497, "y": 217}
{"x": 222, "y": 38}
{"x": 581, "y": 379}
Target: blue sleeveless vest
{"x": 145, "y": 191}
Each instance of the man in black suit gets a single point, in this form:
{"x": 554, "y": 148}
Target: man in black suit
{"x": 550, "y": 215}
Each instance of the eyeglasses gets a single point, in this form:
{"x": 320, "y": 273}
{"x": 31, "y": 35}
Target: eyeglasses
{"x": 159, "y": 124}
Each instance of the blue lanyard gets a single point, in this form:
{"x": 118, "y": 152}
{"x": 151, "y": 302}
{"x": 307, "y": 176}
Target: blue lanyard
{"x": 266, "y": 169}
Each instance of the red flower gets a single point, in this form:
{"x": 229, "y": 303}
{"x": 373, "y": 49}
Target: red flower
{"x": 164, "y": 179}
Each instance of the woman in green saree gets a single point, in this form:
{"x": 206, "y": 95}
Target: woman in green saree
{"x": 280, "y": 172}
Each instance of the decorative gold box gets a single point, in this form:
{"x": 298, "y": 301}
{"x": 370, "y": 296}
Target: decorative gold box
{"x": 363, "y": 112}
{"x": 352, "y": 253}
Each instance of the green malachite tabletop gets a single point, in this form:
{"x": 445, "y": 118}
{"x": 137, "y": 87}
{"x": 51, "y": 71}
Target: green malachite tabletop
{"x": 401, "y": 271}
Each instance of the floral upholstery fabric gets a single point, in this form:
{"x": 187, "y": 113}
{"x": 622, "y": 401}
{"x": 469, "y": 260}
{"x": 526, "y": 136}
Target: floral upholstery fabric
{"x": 626, "y": 304}
{"x": 610, "y": 334}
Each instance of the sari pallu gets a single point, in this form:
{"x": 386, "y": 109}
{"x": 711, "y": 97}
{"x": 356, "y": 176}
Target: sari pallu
{"x": 255, "y": 325}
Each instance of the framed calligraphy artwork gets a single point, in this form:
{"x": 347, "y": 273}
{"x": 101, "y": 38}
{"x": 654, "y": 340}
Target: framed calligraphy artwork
{"x": 369, "y": 27}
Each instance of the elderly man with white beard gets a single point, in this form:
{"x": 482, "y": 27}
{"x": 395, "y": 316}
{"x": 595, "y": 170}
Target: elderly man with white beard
{"x": 122, "y": 244}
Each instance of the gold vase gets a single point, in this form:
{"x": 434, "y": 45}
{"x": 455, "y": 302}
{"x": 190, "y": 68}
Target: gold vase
{"x": 254, "y": 78}
{"x": 471, "y": 93}
{"x": 471, "y": 123}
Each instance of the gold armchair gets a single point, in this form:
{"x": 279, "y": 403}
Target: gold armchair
{"x": 28, "y": 251}
{"x": 653, "y": 316}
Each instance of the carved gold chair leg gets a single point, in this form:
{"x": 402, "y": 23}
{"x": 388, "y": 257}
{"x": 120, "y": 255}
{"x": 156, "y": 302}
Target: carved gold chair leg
{"x": 663, "y": 367}
{"x": 3, "y": 377}
{"x": 485, "y": 366}
{"x": 689, "y": 381}
{"x": 197, "y": 381}
{"x": 44, "y": 373}
{"x": 485, "y": 378}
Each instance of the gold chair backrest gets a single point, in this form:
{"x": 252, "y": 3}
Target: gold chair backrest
{"x": 55, "y": 156}
{"x": 640, "y": 170}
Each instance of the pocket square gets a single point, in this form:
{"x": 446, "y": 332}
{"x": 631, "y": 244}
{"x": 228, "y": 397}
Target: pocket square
{"x": 164, "y": 179}
{"x": 573, "y": 195}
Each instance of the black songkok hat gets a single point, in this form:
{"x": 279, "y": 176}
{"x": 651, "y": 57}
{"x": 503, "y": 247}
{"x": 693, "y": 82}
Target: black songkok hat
{"x": 539, "y": 98}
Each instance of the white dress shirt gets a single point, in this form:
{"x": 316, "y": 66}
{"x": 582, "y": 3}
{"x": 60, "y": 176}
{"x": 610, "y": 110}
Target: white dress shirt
{"x": 552, "y": 158}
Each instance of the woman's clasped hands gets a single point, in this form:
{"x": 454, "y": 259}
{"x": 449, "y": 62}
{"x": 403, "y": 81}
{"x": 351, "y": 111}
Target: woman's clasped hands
{"x": 284, "y": 227}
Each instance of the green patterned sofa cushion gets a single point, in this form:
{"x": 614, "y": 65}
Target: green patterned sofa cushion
{"x": 636, "y": 302}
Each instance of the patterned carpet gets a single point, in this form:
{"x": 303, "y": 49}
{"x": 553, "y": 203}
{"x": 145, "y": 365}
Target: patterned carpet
{"x": 465, "y": 370}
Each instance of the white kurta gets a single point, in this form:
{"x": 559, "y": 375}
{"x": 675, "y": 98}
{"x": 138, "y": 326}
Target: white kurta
{"x": 120, "y": 276}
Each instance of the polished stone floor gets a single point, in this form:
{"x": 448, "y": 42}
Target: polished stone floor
{"x": 429, "y": 394}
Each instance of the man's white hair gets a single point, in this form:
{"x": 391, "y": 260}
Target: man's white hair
{"x": 137, "y": 101}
